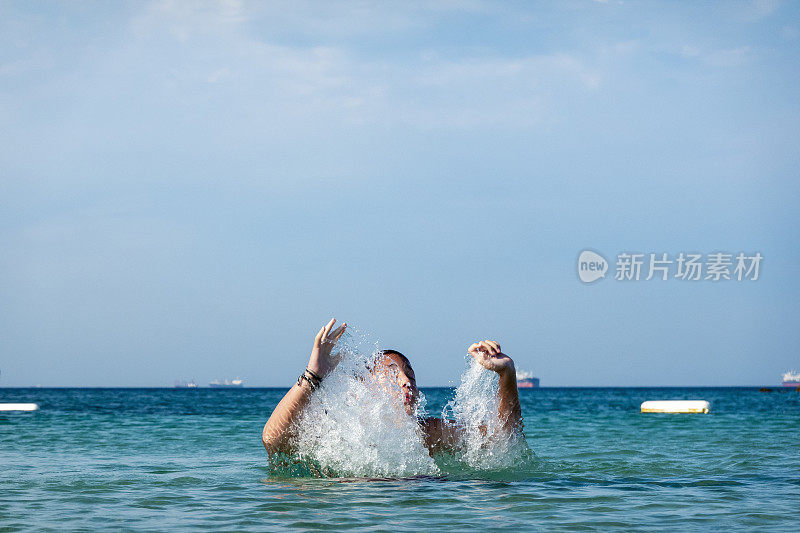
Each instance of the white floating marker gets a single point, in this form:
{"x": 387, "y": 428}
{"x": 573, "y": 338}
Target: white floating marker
{"x": 18, "y": 406}
{"x": 676, "y": 406}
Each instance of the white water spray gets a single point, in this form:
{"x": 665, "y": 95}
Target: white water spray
{"x": 484, "y": 444}
{"x": 354, "y": 425}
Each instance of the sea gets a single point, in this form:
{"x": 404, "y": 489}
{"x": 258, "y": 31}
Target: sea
{"x": 192, "y": 459}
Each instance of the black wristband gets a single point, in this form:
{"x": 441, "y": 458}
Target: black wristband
{"x": 310, "y": 382}
{"x": 313, "y": 375}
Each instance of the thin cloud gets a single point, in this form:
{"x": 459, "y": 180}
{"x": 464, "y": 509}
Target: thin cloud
{"x": 730, "y": 57}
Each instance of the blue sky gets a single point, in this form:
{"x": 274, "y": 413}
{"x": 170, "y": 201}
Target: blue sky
{"x": 189, "y": 190}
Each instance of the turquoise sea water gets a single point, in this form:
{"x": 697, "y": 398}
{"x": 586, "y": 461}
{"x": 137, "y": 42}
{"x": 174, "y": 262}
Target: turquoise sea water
{"x": 156, "y": 459}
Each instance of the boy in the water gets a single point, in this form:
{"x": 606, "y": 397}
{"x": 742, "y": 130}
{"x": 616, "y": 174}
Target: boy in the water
{"x": 278, "y": 431}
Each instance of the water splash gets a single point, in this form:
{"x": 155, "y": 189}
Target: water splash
{"x": 354, "y": 426}
{"x": 484, "y": 443}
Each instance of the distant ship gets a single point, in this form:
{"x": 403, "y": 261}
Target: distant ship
{"x": 232, "y": 384}
{"x": 179, "y": 384}
{"x": 791, "y": 379}
{"x": 525, "y": 380}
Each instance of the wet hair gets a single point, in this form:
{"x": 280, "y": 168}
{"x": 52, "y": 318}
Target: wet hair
{"x": 403, "y": 358}
{"x": 395, "y": 352}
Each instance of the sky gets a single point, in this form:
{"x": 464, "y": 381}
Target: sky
{"x": 189, "y": 190}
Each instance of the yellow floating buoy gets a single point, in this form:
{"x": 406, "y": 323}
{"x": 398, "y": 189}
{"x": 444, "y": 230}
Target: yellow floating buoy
{"x": 676, "y": 406}
{"x": 18, "y": 407}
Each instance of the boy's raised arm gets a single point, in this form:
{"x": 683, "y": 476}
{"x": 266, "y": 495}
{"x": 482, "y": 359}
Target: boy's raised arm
{"x": 278, "y": 430}
{"x": 488, "y": 354}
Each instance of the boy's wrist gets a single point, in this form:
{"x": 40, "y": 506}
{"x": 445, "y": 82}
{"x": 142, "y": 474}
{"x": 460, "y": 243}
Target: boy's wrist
{"x": 508, "y": 372}
{"x": 312, "y": 378}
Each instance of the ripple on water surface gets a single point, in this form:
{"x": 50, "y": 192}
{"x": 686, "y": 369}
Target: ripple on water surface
{"x": 156, "y": 459}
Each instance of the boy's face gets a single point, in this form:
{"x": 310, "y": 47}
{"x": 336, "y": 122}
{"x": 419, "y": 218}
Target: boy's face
{"x": 393, "y": 367}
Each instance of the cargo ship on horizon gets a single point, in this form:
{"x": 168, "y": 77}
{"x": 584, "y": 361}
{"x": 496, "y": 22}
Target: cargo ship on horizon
{"x": 227, "y": 384}
{"x": 525, "y": 380}
{"x": 791, "y": 379}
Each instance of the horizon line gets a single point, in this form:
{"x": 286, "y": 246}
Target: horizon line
{"x": 154, "y": 387}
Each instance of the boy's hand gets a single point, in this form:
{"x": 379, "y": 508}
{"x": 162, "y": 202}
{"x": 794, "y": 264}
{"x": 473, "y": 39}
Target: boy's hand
{"x": 321, "y": 361}
{"x": 487, "y": 353}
